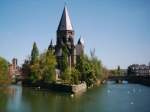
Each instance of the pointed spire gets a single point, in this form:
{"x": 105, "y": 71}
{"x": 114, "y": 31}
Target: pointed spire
{"x": 81, "y": 41}
{"x": 51, "y": 45}
{"x": 65, "y": 23}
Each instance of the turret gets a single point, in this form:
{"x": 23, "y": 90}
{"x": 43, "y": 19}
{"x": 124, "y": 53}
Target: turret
{"x": 80, "y": 47}
{"x": 51, "y": 46}
{"x": 65, "y": 37}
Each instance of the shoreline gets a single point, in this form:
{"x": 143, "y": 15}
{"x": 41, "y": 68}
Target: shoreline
{"x": 59, "y": 87}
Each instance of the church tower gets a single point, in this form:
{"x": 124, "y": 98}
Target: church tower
{"x": 65, "y": 37}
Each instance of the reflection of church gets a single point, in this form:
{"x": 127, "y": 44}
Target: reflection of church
{"x": 65, "y": 37}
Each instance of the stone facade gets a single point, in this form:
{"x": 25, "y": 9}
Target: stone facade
{"x": 138, "y": 70}
{"x": 65, "y": 38}
{"x": 13, "y": 69}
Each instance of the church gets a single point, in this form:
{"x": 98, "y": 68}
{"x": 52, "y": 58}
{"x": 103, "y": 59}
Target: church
{"x": 65, "y": 35}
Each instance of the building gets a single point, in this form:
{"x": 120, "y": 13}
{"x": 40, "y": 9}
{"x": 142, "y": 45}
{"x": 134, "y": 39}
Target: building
{"x": 138, "y": 70}
{"x": 13, "y": 69}
{"x": 65, "y": 40}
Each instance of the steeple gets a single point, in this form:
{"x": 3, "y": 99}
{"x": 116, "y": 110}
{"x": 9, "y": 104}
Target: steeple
{"x": 80, "y": 47}
{"x": 65, "y": 23}
{"x": 51, "y": 45}
{"x": 81, "y": 41}
{"x": 65, "y": 37}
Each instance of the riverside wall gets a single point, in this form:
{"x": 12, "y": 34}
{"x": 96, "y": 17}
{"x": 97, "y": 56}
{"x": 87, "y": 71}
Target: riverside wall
{"x": 58, "y": 87}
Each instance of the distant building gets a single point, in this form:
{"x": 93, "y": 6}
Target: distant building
{"x": 13, "y": 69}
{"x": 65, "y": 37}
{"x": 138, "y": 70}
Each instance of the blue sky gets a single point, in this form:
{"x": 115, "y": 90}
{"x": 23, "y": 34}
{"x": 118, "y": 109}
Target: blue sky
{"x": 119, "y": 30}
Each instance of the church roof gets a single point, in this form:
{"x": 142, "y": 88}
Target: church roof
{"x": 65, "y": 23}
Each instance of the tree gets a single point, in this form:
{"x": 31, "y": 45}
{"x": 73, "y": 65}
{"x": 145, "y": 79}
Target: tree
{"x": 26, "y": 68}
{"x": 3, "y": 69}
{"x": 65, "y": 69}
{"x": 48, "y": 65}
{"x": 97, "y": 66}
{"x": 90, "y": 69}
{"x": 35, "y": 73}
{"x": 64, "y": 62}
{"x": 119, "y": 71}
{"x": 86, "y": 69}
{"x": 75, "y": 76}
{"x": 44, "y": 68}
{"x": 33, "y": 67}
{"x": 66, "y": 76}
{"x": 34, "y": 53}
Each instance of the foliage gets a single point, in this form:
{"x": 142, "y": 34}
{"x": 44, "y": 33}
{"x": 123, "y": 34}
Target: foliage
{"x": 116, "y": 72}
{"x": 89, "y": 68}
{"x": 75, "y": 76}
{"x": 40, "y": 67}
{"x": 48, "y": 62}
{"x": 97, "y": 66}
{"x": 64, "y": 63}
{"x": 105, "y": 73}
{"x": 3, "y": 69}
{"x": 26, "y": 68}
{"x": 35, "y": 73}
{"x": 66, "y": 75}
{"x": 34, "y": 53}
{"x": 71, "y": 76}
{"x": 44, "y": 68}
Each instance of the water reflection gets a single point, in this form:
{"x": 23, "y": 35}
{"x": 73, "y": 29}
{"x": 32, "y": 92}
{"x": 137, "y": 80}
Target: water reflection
{"x": 14, "y": 102}
{"x": 107, "y": 98}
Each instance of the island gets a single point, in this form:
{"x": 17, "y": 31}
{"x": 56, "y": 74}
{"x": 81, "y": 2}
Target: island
{"x": 62, "y": 67}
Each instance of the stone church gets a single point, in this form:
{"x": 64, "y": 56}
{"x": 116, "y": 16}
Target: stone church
{"x": 65, "y": 37}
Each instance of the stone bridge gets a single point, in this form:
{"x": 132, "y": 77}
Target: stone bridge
{"x": 145, "y": 79}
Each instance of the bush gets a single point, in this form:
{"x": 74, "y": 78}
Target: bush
{"x": 75, "y": 76}
{"x": 3, "y": 69}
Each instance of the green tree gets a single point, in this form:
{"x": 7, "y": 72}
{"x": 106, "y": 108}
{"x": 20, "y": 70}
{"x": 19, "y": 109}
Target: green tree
{"x": 90, "y": 69}
{"x": 80, "y": 66}
{"x": 66, "y": 76}
{"x": 75, "y": 76}
{"x": 65, "y": 69}
{"x": 48, "y": 65}
{"x": 86, "y": 69}
{"x": 35, "y": 71}
{"x": 97, "y": 66}
{"x": 3, "y": 69}
{"x": 26, "y": 68}
{"x": 44, "y": 68}
{"x": 64, "y": 62}
{"x": 34, "y": 53}
{"x": 119, "y": 71}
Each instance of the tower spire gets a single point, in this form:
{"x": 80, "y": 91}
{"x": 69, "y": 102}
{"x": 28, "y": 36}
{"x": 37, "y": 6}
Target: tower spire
{"x": 81, "y": 40}
{"x": 50, "y": 47}
{"x": 65, "y": 22}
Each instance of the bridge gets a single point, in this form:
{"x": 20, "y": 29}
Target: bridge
{"x": 145, "y": 79}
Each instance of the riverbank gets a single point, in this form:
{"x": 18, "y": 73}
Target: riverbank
{"x": 5, "y": 82}
{"x": 60, "y": 87}
{"x": 144, "y": 80}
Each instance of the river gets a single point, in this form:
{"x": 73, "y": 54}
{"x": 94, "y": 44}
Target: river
{"x": 106, "y": 98}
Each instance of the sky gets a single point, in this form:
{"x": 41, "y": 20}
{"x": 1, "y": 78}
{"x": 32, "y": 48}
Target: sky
{"x": 119, "y": 30}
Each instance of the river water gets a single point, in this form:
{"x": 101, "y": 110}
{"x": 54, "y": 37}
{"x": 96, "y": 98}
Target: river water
{"x": 106, "y": 98}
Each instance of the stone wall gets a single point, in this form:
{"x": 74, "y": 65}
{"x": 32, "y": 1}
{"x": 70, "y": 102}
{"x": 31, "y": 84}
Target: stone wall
{"x": 57, "y": 87}
{"x": 79, "y": 88}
